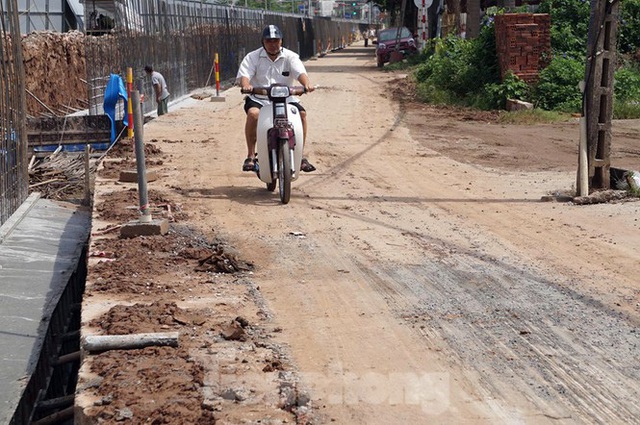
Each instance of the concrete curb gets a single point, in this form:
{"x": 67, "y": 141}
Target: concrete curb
{"x": 15, "y": 219}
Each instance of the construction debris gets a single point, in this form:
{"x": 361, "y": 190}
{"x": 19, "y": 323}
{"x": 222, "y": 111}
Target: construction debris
{"x": 220, "y": 262}
{"x": 61, "y": 175}
{"x": 602, "y": 197}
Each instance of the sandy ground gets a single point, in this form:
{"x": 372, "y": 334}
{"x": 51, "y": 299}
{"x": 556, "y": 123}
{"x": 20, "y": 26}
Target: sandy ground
{"x": 416, "y": 277}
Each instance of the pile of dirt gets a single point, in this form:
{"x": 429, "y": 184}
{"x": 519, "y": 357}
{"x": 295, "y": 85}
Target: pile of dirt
{"x": 55, "y": 72}
{"x": 124, "y": 158}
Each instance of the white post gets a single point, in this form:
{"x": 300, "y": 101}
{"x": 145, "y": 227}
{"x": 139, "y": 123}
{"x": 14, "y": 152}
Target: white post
{"x": 583, "y": 161}
{"x": 423, "y": 7}
{"x": 423, "y": 26}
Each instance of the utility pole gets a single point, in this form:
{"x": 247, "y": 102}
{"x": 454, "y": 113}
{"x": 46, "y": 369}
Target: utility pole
{"x": 598, "y": 93}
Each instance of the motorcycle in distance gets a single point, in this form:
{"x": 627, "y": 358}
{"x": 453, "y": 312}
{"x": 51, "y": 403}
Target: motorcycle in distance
{"x": 279, "y": 139}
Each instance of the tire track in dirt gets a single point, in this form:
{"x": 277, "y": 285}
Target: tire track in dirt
{"x": 495, "y": 313}
{"x": 519, "y": 336}
{"x": 564, "y": 351}
{"x": 366, "y": 367}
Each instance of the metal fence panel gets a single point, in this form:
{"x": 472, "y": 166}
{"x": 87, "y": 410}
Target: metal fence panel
{"x": 14, "y": 179}
{"x": 180, "y": 38}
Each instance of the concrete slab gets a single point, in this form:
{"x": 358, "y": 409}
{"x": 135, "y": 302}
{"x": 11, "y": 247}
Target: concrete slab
{"x": 139, "y": 228}
{"x": 39, "y": 250}
{"x": 131, "y": 176}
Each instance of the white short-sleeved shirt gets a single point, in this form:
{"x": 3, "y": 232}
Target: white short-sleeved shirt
{"x": 157, "y": 78}
{"x": 262, "y": 71}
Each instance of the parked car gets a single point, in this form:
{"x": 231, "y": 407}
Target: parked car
{"x": 392, "y": 40}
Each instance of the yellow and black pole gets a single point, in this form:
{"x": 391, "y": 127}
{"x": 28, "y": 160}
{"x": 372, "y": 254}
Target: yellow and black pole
{"x": 130, "y": 103}
{"x": 217, "y": 67}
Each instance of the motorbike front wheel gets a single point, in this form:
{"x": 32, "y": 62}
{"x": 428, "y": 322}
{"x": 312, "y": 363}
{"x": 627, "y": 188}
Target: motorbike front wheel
{"x": 284, "y": 171}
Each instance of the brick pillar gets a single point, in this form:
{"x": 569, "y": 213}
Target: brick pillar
{"x": 523, "y": 43}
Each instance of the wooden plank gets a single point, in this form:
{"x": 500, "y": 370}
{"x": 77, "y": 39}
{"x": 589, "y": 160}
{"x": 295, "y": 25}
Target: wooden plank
{"x": 68, "y": 130}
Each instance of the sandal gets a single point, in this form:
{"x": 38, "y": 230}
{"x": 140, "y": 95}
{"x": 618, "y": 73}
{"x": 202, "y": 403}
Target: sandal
{"x": 306, "y": 166}
{"x": 248, "y": 165}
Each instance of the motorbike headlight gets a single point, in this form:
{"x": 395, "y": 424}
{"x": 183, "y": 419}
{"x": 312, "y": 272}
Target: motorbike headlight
{"x": 280, "y": 91}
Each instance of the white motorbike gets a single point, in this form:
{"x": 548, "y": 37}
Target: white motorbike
{"x": 279, "y": 139}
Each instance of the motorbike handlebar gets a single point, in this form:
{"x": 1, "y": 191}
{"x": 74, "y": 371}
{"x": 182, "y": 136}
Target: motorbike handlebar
{"x": 293, "y": 90}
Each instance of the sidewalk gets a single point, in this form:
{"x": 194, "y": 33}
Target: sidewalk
{"x": 40, "y": 249}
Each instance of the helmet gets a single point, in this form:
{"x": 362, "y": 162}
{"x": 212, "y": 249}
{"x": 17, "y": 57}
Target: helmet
{"x": 270, "y": 32}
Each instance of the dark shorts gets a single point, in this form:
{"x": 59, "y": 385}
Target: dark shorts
{"x": 163, "y": 106}
{"x": 250, "y": 103}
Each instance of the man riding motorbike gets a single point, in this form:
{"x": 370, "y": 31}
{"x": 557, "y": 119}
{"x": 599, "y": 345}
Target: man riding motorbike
{"x": 270, "y": 64}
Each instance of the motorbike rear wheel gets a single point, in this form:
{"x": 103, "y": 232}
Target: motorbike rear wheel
{"x": 284, "y": 171}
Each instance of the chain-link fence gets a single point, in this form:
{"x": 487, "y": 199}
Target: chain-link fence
{"x": 180, "y": 39}
{"x": 14, "y": 180}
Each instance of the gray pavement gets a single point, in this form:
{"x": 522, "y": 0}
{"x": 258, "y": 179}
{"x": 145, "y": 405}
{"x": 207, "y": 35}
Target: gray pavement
{"x": 40, "y": 246}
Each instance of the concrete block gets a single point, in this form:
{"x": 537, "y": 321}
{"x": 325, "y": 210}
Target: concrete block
{"x": 139, "y": 228}
{"x": 131, "y": 176}
{"x": 518, "y": 105}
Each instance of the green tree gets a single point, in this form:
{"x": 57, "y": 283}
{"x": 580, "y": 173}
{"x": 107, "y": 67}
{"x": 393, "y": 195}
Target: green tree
{"x": 569, "y": 26}
{"x": 629, "y": 26}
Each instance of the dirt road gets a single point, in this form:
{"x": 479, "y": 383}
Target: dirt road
{"x": 416, "y": 277}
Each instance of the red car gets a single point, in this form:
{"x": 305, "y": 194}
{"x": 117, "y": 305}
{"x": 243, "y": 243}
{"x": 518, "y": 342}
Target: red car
{"x": 394, "y": 40}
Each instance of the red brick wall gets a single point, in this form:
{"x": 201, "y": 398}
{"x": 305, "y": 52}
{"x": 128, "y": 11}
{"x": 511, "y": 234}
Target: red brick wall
{"x": 523, "y": 43}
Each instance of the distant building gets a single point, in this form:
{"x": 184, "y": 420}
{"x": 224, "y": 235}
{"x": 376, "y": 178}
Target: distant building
{"x": 51, "y": 15}
{"x": 67, "y": 15}
{"x": 325, "y": 7}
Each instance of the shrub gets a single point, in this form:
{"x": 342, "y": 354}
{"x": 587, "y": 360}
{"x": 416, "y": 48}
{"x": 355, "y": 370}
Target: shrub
{"x": 625, "y": 111}
{"x": 569, "y": 26}
{"x": 466, "y": 71}
{"x": 626, "y": 89}
{"x": 557, "y": 87}
{"x": 629, "y": 26}
{"x": 626, "y": 85}
{"x": 495, "y": 95}
{"x": 458, "y": 68}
